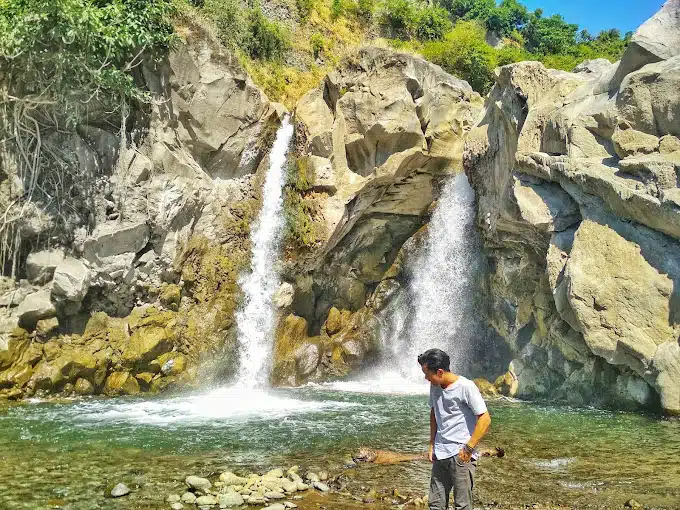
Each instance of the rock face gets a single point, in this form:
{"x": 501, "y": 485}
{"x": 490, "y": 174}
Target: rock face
{"x": 578, "y": 204}
{"x": 375, "y": 138}
{"x": 167, "y": 224}
{"x": 379, "y": 133}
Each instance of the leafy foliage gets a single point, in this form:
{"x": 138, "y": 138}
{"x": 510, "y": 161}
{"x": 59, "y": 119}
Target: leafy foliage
{"x": 266, "y": 39}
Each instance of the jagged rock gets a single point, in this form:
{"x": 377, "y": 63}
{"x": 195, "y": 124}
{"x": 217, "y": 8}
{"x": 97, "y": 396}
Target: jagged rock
{"x": 307, "y": 358}
{"x": 119, "y": 490}
{"x": 71, "y": 280}
{"x": 111, "y": 239}
{"x": 147, "y": 344}
{"x": 40, "y": 265}
{"x": 283, "y": 297}
{"x": 579, "y": 206}
{"x": 34, "y": 307}
{"x": 45, "y": 327}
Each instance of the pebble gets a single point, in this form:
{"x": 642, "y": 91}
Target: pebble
{"x": 120, "y": 490}
{"x": 177, "y": 506}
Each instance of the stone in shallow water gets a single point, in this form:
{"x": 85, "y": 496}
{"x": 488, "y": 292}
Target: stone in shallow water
{"x": 173, "y": 498}
{"x": 206, "y": 501}
{"x": 288, "y": 504}
{"x": 230, "y": 500}
{"x": 275, "y": 506}
{"x": 120, "y": 490}
{"x": 189, "y": 497}
{"x": 274, "y": 473}
{"x": 312, "y": 477}
{"x": 177, "y": 506}
{"x": 198, "y": 483}
{"x": 321, "y": 486}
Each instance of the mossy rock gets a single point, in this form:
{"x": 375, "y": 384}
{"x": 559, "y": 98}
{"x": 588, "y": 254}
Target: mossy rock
{"x": 145, "y": 345}
{"x": 170, "y": 296}
{"x": 485, "y": 387}
{"x": 83, "y": 387}
{"x": 144, "y": 379}
{"x": 121, "y": 383}
{"x": 17, "y": 344}
{"x": 16, "y": 376}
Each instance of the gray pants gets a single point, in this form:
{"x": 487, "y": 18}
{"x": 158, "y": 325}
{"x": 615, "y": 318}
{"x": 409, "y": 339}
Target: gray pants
{"x": 454, "y": 474}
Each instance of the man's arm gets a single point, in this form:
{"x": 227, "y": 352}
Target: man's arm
{"x": 433, "y": 433}
{"x": 481, "y": 428}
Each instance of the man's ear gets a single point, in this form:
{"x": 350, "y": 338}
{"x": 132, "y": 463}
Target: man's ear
{"x": 440, "y": 372}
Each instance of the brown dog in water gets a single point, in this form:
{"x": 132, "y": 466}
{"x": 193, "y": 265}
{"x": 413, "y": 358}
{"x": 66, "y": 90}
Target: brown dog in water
{"x": 372, "y": 456}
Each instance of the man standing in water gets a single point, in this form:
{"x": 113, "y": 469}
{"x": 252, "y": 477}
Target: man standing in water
{"x": 458, "y": 421}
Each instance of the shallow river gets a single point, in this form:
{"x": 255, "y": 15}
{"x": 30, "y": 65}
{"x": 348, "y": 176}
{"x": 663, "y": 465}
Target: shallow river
{"x": 64, "y": 455}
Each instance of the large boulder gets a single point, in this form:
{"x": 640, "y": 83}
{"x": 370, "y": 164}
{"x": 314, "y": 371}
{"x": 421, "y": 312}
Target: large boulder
{"x": 71, "y": 280}
{"x": 35, "y": 307}
{"x": 40, "y": 265}
{"x": 657, "y": 39}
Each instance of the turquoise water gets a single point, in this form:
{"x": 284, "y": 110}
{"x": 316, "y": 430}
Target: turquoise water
{"x": 63, "y": 455}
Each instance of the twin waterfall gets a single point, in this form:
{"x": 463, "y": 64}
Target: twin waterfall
{"x": 255, "y": 319}
{"x": 433, "y": 310}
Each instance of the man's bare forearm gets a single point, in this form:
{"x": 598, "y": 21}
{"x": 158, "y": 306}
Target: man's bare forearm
{"x": 433, "y": 426}
{"x": 482, "y": 426}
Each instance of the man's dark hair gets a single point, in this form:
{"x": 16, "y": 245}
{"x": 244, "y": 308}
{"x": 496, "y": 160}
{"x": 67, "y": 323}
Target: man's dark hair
{"x": 435, "y": 359}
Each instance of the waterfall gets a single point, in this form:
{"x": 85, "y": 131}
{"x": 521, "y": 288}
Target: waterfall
{"x": 255, "y": 319}
{"x": 437, "y": 306}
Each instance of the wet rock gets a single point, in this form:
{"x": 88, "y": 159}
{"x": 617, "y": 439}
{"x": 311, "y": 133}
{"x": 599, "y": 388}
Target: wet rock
{"x": 207, "y": 500}
{"x": 189, "y": 498}
{"x": 119, "y": 490}
{"x": 121, "y": 383}
{"x": 276, "y": 506}
{"x": 83, "y": 387}
{"x": 198, "y": 483}
{"x": 321, "y": 486}
{"x": 176, "y": 506}
{"x": 312, "y": 477}
{"x": 229, "y": 478}
{"x": 230, "y": 500}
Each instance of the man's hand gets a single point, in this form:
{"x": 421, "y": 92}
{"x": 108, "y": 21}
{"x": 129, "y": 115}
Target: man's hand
{"x": 430, "y": 453}
{"x": 464, "y": 455}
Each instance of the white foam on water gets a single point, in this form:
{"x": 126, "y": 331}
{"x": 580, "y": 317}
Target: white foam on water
{"x": 221, "y": 406}
{"x": 256, "y": 319}
{"x": 386, "y": 383}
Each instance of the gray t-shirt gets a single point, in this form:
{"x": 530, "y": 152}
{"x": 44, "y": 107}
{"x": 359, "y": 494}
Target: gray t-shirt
{"x": 456, "y": 409}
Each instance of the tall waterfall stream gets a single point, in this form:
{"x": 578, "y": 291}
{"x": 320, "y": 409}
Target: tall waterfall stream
{"x": 255, "y": 319}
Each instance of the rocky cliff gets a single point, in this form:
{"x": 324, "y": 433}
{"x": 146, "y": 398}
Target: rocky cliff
{"x": 577, "y": 176}
{"x": 576, "y": 179}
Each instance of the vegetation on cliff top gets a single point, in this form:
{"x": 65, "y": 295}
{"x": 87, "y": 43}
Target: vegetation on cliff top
{"x": 288, "y": 47}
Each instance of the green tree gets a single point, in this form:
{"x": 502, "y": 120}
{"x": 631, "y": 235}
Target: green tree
{"x": 550, "y": 35}
{"x": 432, "y": 23}
{"x": 267, "y": 39}
{"x": 464, "y": 53}
{"x": 479, "y": 10}
{"x": 401, "y": 15}
{"x": 510, "y": 15}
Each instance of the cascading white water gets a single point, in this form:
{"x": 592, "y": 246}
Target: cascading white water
{"x": 437, "y": 307}
{"x": 255, "y": 319}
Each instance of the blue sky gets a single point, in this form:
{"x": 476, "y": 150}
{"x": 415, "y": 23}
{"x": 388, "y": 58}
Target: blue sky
{"x": 596, "y": 15}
